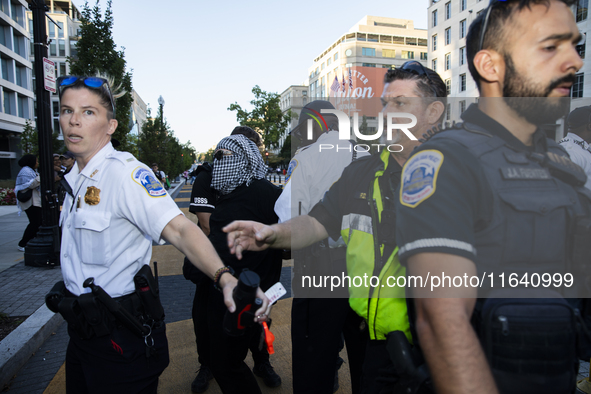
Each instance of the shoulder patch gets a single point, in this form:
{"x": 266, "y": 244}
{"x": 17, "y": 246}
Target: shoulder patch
{"x": 419, "y": 177}
{"x": 145, "y": 178}
{"x": 292, "y": 166}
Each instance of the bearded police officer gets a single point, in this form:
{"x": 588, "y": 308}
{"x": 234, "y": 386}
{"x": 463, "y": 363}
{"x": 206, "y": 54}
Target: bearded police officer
{"x": 113, "y": 210}
{"x": 495, "y": 194}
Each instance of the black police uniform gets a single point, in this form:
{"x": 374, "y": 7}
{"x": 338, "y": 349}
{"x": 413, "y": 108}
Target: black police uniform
{"x": 478, "y": 192}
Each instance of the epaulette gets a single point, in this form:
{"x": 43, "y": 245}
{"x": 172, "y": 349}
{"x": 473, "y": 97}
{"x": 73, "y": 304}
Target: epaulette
{"x": 437, "y": 129}
{"x": 122, "y": 156}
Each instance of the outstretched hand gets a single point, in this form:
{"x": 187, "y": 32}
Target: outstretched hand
{"x": 248, "y": 235}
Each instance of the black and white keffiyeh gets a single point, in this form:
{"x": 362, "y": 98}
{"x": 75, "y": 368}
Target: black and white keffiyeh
{"x": 244, "y": 165}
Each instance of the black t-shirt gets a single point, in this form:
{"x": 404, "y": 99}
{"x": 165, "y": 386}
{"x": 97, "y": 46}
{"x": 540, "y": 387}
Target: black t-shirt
{"x": 202, "y": 195}
{"x": 458, "y": 202}
{"x": 254, "y": 202}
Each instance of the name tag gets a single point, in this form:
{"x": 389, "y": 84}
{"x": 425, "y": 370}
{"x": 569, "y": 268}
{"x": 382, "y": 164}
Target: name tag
{"x": 525, "y": 173}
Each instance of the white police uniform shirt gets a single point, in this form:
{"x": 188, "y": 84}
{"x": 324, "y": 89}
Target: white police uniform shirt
{"x": 110, "y": 237}
{"x": 311, "y": 172}
{"x": 579, "y": 152}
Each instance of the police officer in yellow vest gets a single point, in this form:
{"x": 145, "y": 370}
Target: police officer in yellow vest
{"x": 360, "y": 208}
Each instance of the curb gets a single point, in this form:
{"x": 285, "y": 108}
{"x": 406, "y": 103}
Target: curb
{"x": 19, "y": 345}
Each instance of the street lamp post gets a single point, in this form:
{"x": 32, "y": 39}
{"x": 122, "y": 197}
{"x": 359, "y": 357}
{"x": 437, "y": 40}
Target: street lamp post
{"x": 161, "y": 102}
{"x": 43, "y": 250}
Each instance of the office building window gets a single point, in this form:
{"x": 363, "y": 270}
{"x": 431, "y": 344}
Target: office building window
{"x": 322, "y": 66}
{"x": 9, "y": 106}
{"x": 52, "y": 48}
{"x": 462, "y": 82}
{"x": 447, "y": 61}
{"x": 408, "y": 55}
{"x": 51, "y": 27}
{"x": 462, "y": 5}
{"x": 63, "y": 69}
{"x": 62, "y": 47}
{"x": 448, "y": 36}
{"x": 578, "y": 86}
{"x": 73, "y": 49}
{"x": 463, "y": 28}
{"x": 388, "y": 53}
{"x": 434, "y": 65}
{"x": 328, "y": 61}
{"x": 368, "y": 64}
{"x": 434, "y": 42}
{"x": 17, "y": 43}
{"x": 581, "y": 50}
{"x": 448, "y": 86}
{"x": 582, "y": 6}
{"x": 4, "y": 65}
{"x": 462, "y": 56}
{"x": 336, "y": 56}
{"x": 434, "y": 18}
{"x": 368, "y": 51}
{"x": 60, "y": 30}
{"x": 56, "y": 109}
{"x": 423, "y": 55}
{"x": 448, "y": 111}
{"x": 462, "y": 106}
{"x": 447, "y": 10}
{"x": 23, "y": 106}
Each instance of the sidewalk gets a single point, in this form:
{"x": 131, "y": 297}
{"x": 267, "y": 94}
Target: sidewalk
{"x": 12, "y": 228}
{"x": 22, "y": 294}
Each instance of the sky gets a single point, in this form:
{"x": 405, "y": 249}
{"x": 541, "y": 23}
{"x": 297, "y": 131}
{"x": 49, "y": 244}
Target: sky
{"x": 203, "y": 56}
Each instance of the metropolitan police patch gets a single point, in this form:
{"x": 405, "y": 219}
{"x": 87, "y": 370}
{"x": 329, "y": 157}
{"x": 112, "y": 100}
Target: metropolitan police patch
{"x": 419, "y": 177}
{"x": 146, "y": 179}
{"x": 292, "y": 166}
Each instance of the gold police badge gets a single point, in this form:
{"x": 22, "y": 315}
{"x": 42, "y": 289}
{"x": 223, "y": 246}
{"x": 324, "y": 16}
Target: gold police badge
{"x": 92, "y": 196}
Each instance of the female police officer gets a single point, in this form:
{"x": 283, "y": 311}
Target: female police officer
{"x": 114, "y": 210}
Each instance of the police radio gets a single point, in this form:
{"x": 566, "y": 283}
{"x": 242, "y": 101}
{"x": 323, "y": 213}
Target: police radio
{"x": 247, "y": 303}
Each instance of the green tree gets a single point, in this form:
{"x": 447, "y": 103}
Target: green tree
{"x": 132, "y": 140}
{"x": 152, "y": 142}
{"x": 285, "y": 153}
{"x": 266, "y": 117}
{"x": 29, "y": 139}
{"x": 189, "y": 155}
{"x": 207, "y": 156}
{"x": 157, "y": 144}
{"x": 97, "y": 54}
{"x": 57, "y": 144}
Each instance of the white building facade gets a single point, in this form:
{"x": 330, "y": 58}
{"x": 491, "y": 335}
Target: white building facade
{"x": 373, "y": 42}
{"x": 293, "y": 99}
{"x": 448, "y": 26}
{"x": 16, "y": 89}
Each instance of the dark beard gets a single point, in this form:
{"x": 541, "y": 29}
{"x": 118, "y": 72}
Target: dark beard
{"x": 530, "y": 100}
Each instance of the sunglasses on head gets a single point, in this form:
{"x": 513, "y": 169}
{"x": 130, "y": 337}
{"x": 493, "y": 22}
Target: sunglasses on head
{"x": 221, "y": 153}
{"x": 416, "y": 68}
{"x": 95, "y": 83}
